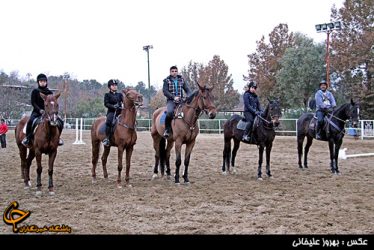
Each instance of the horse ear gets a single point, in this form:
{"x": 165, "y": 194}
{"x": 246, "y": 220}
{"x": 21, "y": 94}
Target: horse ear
{"x": 352, "y": 102}
{"x": 125, "y": 90}
{"x": 269, "y": 99}
{"x": 57, "y": 95}
{"x": 199, "y": 85}
{"x": 43, "y": 96}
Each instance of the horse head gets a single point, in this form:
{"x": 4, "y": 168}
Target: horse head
{"x": 132, "y": 97}
{"x": 206, "y": 101}
{"x": 51, "y": 108}
{"x": 274, "y": 111}
{"x": 353, "y": 112}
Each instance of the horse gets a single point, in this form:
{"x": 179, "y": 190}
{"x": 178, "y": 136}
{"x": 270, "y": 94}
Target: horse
{"x": 184, "y": 131}
{"x": 334, "y": 126}
{"x": 45, "y": 141}
{"x": 263, "y": 134}
{"x": 124, "y": 136}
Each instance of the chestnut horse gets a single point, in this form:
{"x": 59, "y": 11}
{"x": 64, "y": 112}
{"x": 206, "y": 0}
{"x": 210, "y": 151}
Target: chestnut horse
{"x": 124, "y": 136}
{"x": 45, "y": 141}
{"x": 184, "y": 131}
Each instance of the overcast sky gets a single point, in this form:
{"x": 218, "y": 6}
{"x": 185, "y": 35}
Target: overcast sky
{"x": 104, "y": 39}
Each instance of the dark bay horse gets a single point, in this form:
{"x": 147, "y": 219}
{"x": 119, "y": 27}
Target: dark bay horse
{"x": 335, "y": 123}
{"x": 45, "y": 141}
{"x": 263, "y": 134}
{"x": 124, "y": 136}
{"x": 184, "y": 131}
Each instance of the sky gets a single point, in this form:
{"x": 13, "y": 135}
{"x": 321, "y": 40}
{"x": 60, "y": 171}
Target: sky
{"x": 101, "y": 40}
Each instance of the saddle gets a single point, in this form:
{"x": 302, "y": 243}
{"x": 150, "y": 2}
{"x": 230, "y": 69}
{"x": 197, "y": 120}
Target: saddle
{"x": 178, "y": 113}
{"x": 242, "y": 124}
{"x": 34, "y": 125}
{"x": 102, "y": 128}
{"x": 325, "y": 128}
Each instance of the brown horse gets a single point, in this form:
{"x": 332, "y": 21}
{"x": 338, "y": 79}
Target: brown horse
{"x": 124, "y": 136}
{"x": 184, "y": 131}
{"x": 45, "y": 141}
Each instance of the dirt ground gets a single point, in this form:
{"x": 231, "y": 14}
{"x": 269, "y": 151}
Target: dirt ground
{"x": 295, "y": 201}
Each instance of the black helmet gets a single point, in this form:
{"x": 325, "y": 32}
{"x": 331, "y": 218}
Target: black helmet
{"x": 112, "y": 82}
{"x": 252, "y": 84}
{"x": 41, "y": 77}
{"x": 322, "y": 82}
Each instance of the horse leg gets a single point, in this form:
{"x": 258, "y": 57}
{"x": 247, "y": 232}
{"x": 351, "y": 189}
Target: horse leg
{"x": 268, "y": 151}
{"x": 260, "y": 157}
{"x": 234, "y": 151}
{"x": 39, "y": 169}
{"x": 187, "y": 156}
{"x": 27, "y": 166}
{"x": 156, "y": 147}
{"x": 129, "y": 150}
{"x": 23, "y": 155}
{"x": 167, "y": 158}
{"x": 51, "y": 160}
{"x": 300, "y": 141}
{"x": 178, "y": 160}
{"x": 226, "y": 155}
{"x": 332, "y": 161}
{"x": 104, "y": 159}
{"x": 309, "y": 141}
{"x": 95, "y": 158}
{"x": 120, "y": 165}
{"x": 336, "y": 154}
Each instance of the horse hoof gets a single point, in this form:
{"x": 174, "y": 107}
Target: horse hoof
{"x": 234, "y": 171}
{"x": 177, "y": 183}
{"x": 154, "y": 176}
{"x": 38, "y": 193}
{"x": 129, "y": 185}
{"x": 260, "y": 179}
{"x": 29, "y": 183}
{"x": 52, "y": 193}
{"x": 187, "y": 183}
{"x": 94, "y": 181}
{"x": 119, "y": 186}
{"x": 224, "y": 172}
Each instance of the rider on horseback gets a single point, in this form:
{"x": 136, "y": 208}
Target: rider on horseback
{"x": 172, "y": 89}
{"x": 38, "y": 104}
{"x": 252, "y": 108}
{"x": 325, "y": 103}
{"x": 113, "y": 101}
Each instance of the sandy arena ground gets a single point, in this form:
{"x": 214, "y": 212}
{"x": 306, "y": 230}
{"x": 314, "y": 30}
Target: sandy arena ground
{"x": 295, "y": 201}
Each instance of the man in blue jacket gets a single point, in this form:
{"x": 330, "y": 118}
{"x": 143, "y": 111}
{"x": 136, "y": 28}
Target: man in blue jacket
{"x": 252, "y": 108}
{"x": 325, "y": 103}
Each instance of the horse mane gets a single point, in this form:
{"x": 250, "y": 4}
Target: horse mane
{"x": 341, "y": 108}
{"x": 192, "y": 96}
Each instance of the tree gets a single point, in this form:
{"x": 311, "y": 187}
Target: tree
{"x": 301, "y": 70}
{"x": 191, "y": 73}
{"x": 352, "y": 55}
{"x": 158, "y": 100}
{"x": 264, "y": 63}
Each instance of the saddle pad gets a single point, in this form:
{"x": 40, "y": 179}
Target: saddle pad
{"x": 241, "y": 125}
{"x": 162, "y": 119}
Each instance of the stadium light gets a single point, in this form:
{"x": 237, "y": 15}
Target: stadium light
{"x": 147, "y": 48}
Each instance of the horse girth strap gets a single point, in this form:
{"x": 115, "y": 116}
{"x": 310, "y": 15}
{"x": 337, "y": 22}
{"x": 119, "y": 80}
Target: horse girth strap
{"x": 333, "y": 124}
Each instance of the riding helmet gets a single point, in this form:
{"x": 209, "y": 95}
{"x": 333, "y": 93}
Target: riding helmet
{"x": 252, "y": 84}
{"x": 112, "y": 82}
{"x": 322, "y": 82}
{"x": 41, "y": 77}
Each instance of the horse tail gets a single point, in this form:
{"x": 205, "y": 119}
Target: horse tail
{"x": 162, "y": 148}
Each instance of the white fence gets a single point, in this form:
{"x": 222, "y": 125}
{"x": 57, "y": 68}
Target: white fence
{"x": 215, "y": 126}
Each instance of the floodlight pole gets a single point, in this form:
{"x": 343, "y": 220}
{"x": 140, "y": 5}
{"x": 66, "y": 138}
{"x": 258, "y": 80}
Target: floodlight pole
{"x": 146, "y": 48}
{"x": 328, "y": 59}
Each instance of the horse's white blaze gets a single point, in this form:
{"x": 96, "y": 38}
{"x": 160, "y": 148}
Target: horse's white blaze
{"x": 53, "y": 103}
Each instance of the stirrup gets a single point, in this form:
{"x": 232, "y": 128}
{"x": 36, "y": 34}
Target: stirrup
{"x": 166, "y": 133}
{"x": 60, "y": 142}
{"x": 106, "y": 142}
{"x": 246, "y": 138}
{"x": 25, "y": 142}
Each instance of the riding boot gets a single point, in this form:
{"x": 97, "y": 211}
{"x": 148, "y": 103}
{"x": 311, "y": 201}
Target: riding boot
{"x": 167, "y": 126}
{"x": 318, "y": 132}
{"x": 106, "y": 141}
{"x": 26, "y": 140}
{"x": 60, "y": 127}
{"x": 246, "y": 137}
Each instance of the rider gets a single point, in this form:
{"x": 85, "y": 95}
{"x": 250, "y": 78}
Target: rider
{"x": 113, "y": 101}
{"x": 252, "y": 107}
{"x": 172, "y": 89}
{"x": 325, "y": 103}
{"x": 38, "y": 104}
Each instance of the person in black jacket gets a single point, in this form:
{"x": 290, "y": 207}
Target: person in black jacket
{"x": 38, "y": 108}
{"x": 252, "y": 108}
{"x": 173, "y": 88}
{"x": 112, "y": 101}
